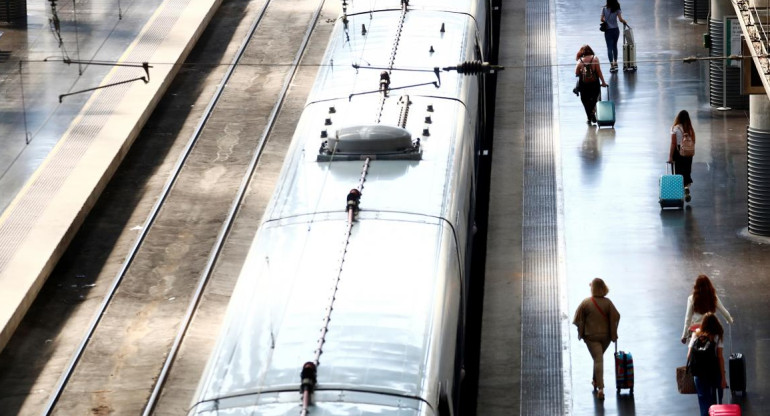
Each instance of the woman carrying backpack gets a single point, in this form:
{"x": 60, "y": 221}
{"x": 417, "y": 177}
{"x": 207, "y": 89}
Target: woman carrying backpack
{"x": 702, "y": 300}
{"x": 589, "y": 73}
{"x": 682, "y": 149}
{"x": 705, "y": 361}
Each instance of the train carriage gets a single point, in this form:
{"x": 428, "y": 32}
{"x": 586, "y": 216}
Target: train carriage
{"x": 357, "y": 276}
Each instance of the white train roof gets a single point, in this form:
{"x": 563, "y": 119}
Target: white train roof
{"x": 383, "y": 320}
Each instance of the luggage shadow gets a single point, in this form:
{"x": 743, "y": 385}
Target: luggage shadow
{"x": 626, "y": 405}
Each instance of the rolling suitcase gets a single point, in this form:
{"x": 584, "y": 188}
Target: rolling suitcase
{"x": 724, "y": 410}
{"x": 624, "y": 370}
{"x": 737, "y": 367}
{"x": 671, "y": 189}
{"x": 605, "y": 112}
{"x": 629, "y": 49}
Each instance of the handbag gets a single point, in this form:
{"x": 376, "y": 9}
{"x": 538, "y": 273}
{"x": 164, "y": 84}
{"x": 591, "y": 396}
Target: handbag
{"x": 684, "y": 381}
{"x": 603, "y": 24}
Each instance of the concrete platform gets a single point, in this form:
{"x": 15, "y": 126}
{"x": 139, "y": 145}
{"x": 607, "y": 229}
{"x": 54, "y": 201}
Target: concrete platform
{"x": 74, "y": 147}
{"x": 610, "y": 224}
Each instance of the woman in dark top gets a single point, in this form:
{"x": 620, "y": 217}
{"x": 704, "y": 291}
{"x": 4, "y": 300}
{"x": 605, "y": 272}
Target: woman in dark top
{"x": 589, "y": 73}
{"x": 709, "y": 367}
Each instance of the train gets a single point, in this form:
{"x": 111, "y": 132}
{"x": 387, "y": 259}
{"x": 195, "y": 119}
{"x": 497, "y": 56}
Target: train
{"x": 352, "y": 299}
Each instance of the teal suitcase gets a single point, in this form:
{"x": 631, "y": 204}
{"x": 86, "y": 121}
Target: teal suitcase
{"x": 605, "y": 112}
{"x": 671, "y": 190}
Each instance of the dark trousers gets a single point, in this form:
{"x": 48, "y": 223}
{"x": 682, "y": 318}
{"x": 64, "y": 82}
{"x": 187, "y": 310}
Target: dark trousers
{"x": 611, "y": 37}
{"x": 707, "y": 392}
{"x": 683, "y": 166}
{"x": 589, "y": 95}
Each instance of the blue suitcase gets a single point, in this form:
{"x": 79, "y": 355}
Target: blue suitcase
{"x": 671, "y": 190}
{"x": 605, "y": 112}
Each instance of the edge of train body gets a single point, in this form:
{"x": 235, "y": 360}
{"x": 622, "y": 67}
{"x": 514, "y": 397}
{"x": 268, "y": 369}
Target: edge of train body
{"x": 377, "y": 304}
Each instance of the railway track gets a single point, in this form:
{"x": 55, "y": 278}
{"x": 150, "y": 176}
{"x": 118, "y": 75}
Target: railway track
{"x": 157, "y": 314}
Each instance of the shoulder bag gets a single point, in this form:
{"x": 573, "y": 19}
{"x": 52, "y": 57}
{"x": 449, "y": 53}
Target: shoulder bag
{"x": 603, "y": 25}
{"x": 685, "y": 382}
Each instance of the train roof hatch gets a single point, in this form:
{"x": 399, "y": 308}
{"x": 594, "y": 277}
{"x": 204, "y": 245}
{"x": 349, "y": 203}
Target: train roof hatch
{"x": 375, "y": 141}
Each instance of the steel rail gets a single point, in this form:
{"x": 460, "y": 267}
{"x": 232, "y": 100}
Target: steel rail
{"x": 69, "y": 370}
{"x": 234, "y": 208}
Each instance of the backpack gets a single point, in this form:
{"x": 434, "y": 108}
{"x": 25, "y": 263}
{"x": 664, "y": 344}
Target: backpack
{"x": 687, "y": 148}
{"x": 588, "y": 73}
{"x": 703, "y": 358}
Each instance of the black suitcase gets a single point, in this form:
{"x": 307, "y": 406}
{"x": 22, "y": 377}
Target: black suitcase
{"x": 737, "y": 373}
{"x": 737, "y": 369}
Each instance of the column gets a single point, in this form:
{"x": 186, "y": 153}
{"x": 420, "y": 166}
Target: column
{"x": 759, "y": 165}
{"x": 724, "y": 79}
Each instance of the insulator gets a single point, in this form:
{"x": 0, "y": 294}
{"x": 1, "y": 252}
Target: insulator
{"x": 363, "y": 29}
{"x": 384, "y": 80}
{"x": 354, "y": 197}
{"x": 474, "y": 67}
{"x": 308, "y": 376}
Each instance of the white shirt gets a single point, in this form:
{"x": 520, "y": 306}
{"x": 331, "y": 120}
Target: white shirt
{"x": 691, "y": 317}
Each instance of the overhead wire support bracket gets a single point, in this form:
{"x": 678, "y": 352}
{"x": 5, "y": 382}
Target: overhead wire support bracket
{"x": 146, "y": 79}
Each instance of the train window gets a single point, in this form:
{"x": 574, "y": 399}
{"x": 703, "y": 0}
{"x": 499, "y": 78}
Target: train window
{"x": 370, "y": 141}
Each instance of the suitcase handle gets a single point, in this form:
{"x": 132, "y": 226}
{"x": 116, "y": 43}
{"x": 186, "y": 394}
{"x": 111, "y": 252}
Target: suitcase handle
{"x": 671, "y": 164}
{"x": 608, "y": 92}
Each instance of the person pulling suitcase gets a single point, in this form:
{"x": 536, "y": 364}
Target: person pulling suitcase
{"x": 589, "y": 73}
{"x": 597, "y": 321}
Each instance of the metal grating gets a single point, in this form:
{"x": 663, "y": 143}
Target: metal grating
{"x": 542, "y": 391}
{"x": 53, "y": 174}
{"x": 697, "y": 8}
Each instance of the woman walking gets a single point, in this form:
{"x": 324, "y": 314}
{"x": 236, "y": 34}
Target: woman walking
{"x": 682, "y": 148}
{"x": 597, "y": 323}
{"x": 589, "y": 73}
{"x": 611, "y": 14}
{"x": 703, "y": 300}
{"x": 706, "y": 362}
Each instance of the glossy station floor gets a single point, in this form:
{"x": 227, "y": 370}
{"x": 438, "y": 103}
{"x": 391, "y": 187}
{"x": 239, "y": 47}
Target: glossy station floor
{"x": 615, "y": 229}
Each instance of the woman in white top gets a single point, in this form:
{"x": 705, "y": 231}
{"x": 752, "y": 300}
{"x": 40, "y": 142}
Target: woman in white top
{"x": 703, "y": 299}
{"x": 682, "y": 164}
